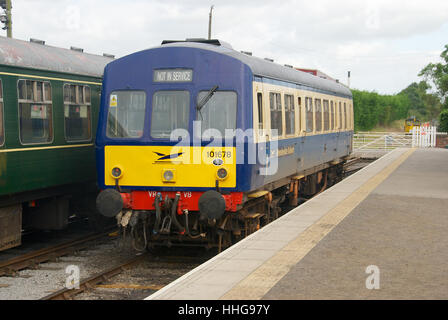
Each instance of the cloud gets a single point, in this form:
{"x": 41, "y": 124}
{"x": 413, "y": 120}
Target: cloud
{"x": 365, "y": 36}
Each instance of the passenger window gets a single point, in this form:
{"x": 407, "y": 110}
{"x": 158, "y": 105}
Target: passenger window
{"x": 260, "y": 110}
{"x": 326, "y": 116}
{"x": 299, "y": 112}
{"x": 345, "y": 116}
{"x": 318, "y": 115}
{"x": 2, "y": 129}
{"x": 35, "y": 111}
{"x": 276, "y": 113}
{"x": 332, "y": 121}
{"x": 290, "y": 114}
{"x": 309, "y": 114}
{"x": 340, "y": 116}
{"x": 126, "y": 116}
{"x": 77, "y": 113}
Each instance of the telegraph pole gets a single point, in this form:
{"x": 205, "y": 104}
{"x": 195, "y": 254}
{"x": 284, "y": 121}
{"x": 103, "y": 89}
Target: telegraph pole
{"x": 210, "y": 23}
{"x": 8, "y": 14}
{"x": 6, "y": 18}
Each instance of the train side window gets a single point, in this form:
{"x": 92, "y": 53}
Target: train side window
{"x": 352, "y": 117}
{"x": 299, "y": 113}
{"x": 345, "y": 116}
{"x": 318, "y": 116}
{"x": 77, "y": 113}
{"x": 276, "y": 113}
{"x": 126, "y": 116}
{"x": 332, "y": 115}
{"x": 326, "y": 115}
{"x": 309, "y": 114}
{"x": 290, "y": 114}
{"x": 2, "y": 129}
{"x": 260, "y": 110}
{"x": 340, "y": 116}
{"x": 35, "y": 112}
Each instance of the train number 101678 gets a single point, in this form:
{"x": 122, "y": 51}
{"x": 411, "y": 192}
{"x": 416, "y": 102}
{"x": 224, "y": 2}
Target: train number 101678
{"x": 219, "y": 154}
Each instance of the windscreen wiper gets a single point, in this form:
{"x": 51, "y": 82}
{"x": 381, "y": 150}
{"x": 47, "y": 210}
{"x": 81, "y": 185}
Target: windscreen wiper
{"x": 204, "y": 101}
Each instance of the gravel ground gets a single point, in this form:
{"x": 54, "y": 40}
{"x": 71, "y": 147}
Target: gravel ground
{"x": 32, "y": 284}
{"x": 138, "y": 282}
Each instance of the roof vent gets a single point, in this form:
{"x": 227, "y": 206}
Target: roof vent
{"x": 107, "y": 55}
{"x": 269, "y": 59}
{"x": 77, "y": 49}
{"x": 289, "y": 66}
{"x": 42, "y": 42}
{"x": 247, "y": 52}
{"x": 214, "y": 42}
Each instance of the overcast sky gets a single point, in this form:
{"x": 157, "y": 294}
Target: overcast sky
{"x": 384, "y": 43}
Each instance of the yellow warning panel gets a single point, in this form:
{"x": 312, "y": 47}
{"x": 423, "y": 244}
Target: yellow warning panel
{"x": 171, "y": 166}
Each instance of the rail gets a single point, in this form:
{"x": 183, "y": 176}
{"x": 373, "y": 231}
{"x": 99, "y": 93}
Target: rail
{"x": 33, "y": 259}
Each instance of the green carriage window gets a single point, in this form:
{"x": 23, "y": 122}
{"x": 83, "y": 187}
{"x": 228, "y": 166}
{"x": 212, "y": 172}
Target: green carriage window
{"x": 2, "y": 129}
{"x": 77, "y": 113}
{"x": 126, "y": 116}
{"x": 35, "y": 111}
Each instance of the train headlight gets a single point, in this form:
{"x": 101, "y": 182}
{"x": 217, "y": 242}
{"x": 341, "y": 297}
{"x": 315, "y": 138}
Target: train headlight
{"x": 168, "y": 175}
{"x": 222, "y": 173}
{"x": 116, "y": 173}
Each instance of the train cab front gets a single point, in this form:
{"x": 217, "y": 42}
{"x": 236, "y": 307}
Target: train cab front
{"x": 158, "y": 192}
{"x": 161, "y": 176}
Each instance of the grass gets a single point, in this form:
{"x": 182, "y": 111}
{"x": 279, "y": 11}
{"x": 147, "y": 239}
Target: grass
{"x": 394, "y": 126}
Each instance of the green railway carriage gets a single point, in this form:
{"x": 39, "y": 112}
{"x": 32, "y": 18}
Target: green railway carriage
{"x": 49, "y": 100}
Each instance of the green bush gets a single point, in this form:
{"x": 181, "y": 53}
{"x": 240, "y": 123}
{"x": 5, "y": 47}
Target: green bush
{"x": 444, "y": 121}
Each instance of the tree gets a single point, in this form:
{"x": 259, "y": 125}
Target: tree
{"x": 444, "y": 121}
{"x": 423, "y": 105}
{"x": 437, "y": 73}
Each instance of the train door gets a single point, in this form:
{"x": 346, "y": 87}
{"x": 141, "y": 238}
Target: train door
{"x": 260, "y": 126}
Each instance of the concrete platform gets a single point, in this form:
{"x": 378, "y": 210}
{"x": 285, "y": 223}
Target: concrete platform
{"x": 391, "y": 216}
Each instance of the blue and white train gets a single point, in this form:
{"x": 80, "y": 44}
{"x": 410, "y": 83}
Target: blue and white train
{"x": 167, "y": 176}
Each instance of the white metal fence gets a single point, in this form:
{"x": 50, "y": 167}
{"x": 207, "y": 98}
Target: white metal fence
{"x": 420, "y": 137}
{"x": 381, "y": 141}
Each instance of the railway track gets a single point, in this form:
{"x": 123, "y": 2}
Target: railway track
{"x": 355, "y": 164}
{"x": 33, "y": 259}
{"x": 91, "y": 282}
{"x": 98, "y": 280}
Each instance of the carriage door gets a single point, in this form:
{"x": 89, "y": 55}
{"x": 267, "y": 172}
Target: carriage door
{"x": 260, "y": 121}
